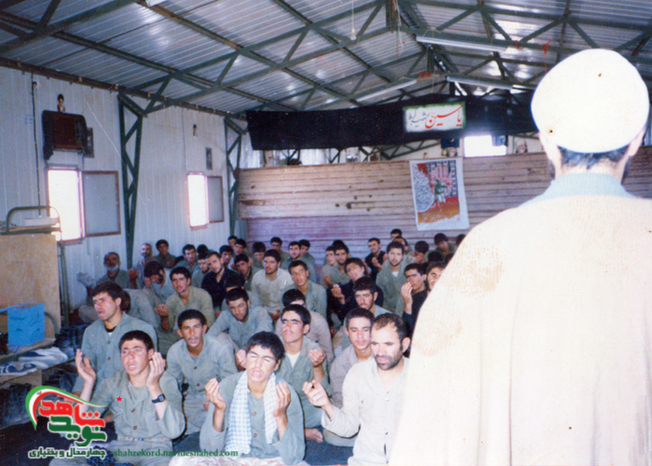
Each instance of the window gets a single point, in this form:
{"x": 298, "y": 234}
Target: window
{"x": 482, "y": 146}
{"x": 64, "y": 195}
{"x": 87, "y": 202}
{"x": 198, "y": 200}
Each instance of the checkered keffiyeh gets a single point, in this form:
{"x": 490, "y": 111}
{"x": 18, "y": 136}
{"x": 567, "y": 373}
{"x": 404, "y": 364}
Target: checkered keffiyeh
{"x": 238, "y": 436}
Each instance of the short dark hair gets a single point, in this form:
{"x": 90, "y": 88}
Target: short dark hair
{"x": 396, "y": 245}
{"x": 181, "y": 271}
{"x": 241, "y": 258}
{"x": 356, "y": 261}
{"x": 241, "y": 242}
{"x": 234, "y": 280}
{"x": 258, "y": 247}
{"x": 304, "y": 242}
{"x": 302, "y": 311}
{"x": 125, "y": 304}
{"x": 435, "y": 256}
{"x": 439, "y": 237}
{"x": 435, "y": 265}
{"x": 267, "y": 340}
{"x": 341, "y": 247}
{"x": 153, "y": 268}
{"x": 574, "y": 159}
{"x": 188, "y": 247}
{"x": 331, "y": 249}
{"x": 111, "y": 288}
{"x": 276, "y": 239}
{"x": 373, "y": 239}
{"x": 226, "y": 248}
{"x": 213, "y": 253}
{"x": 297, "y": 263}
{"x": 384, "y": 320}
{"x": 358, "y": 312}
{"x": 418, "y": 267}
{"x": 459, "y": 239}
{"x": 111, "y": 252}
{"x": 293, "y": 243}
{"x": 137, "y": 335}
{"x": 421, "y": 246}
{"x": 202, "y": 256}
{"x": 396, "y": 231}
{"x": 202, "y": 249}
{"x": 232, "y": 237}
{"x": 235, "y": 294}
{"x": 273, "y": 253}
{"x": 291, "y": 296}
{"x": 364, "y": 284}
{"x": 162, "y": 242}
{"x": 189, "y": 314}
{"x": 337, "y": 242}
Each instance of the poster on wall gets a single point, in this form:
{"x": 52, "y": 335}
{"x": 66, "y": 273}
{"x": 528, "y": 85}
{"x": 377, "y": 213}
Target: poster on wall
{"x": 438, "y": 194}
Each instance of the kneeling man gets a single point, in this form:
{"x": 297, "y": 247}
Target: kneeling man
{"x": 255, "y": 413}
{"x": 373, "y": 394}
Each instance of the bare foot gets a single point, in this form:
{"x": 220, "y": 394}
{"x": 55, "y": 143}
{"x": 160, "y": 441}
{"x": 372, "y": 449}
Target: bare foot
{"x": 313, "y": 434}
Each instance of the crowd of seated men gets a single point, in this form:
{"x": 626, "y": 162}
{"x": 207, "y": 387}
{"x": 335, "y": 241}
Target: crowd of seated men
{"x": 253, "y": 352}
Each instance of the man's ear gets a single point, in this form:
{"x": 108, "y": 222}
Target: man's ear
{"x": 375, "y": 296}
{"x": 306, "y": 329}
{"x": 205, "y": 328}
{"x": 181, "y": 334}
{"x": 405, "y": 344}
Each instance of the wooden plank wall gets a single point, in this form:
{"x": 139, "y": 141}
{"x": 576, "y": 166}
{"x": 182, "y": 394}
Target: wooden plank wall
{"x": 356, "y": 201}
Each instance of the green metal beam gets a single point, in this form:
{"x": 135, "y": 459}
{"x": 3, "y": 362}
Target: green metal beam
{"x": 93, "y": 13}
{"x": 130, "y": 168}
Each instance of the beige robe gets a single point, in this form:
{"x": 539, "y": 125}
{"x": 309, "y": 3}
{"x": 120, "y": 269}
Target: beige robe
{"x": 536, "y": 345}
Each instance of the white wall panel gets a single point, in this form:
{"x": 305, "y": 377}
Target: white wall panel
{"x": 168, "y": 152}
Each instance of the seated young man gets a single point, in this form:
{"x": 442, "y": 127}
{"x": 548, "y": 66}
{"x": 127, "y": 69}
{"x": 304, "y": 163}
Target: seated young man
{"x": 391, "y": 278}
{"x": 357, "y": 326}
{"x": 242, "y": 320}
{"x": 243, "y": 265}
{"x": 366, "y": 294}
{"x": 271, "y": 282}
{"x": 185, "y": 297}
{"x": 198, "y": 358}
{"x": 315, "y": 295}
{"x": 144, "y": 399}
{"x": 304, "y": 361}
{"x": 433, "y": 274}
{"x": 355, "y": 269}
{"x": 204, "y": 268}
{"x": 413, "y": 294}
{"x": 373, "y": 395}
{"x": 319, "y": 331}
{"x": 164, "y": 257}
{"x": 256, "y": 413}
{"x": 100, "y": 342}
{"x": 214, "y": 281}
{"x": 329, "y": 263}
{"x": 294, "y": 250}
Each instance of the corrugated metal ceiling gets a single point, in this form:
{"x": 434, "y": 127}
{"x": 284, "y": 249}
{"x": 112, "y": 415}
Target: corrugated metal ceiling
{"x": 232, "y": 55}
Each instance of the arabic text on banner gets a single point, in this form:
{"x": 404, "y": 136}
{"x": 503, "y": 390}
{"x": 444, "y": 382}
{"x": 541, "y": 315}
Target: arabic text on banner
{"x": 435, "y": 117}
{"x": 438, "y": 194}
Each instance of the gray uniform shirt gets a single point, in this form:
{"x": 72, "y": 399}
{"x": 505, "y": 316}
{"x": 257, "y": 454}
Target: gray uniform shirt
{"x": 371, "y": 410}
{"x": 122, "y": 279}
{"x": 391, "y": 285}
{"x": 215, "y": 360}
{"x": 240, "y": 332}
{"x": 271, "y": 291}
{"x": 291, "y": 448}
{"x": 338, "y": 277}
{"x": 135, "y": 414}
{"x": 301, "y": 372}
{"x": 197, "y": 299}
{"x": 343, "y": 362}
{"x": 101, "y": 347}
{"x": 142, "y": 308}
{"x": 315, "y": 298}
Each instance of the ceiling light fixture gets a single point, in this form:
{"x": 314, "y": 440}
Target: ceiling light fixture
{"x": 386, "y": 91}
{"x": 467, "y": 44}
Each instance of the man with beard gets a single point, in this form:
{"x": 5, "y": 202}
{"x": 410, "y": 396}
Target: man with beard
{"x": 215, "y": 281}
{"x": 146, "y": 254}
{"x": 541, "y": 355}
{"x": 271, "y": 282}
{"x": 204, "y": 268}
{"x": 294, "y": 248}
{"x": 372, "y": 395}
{"x": 392, "y": 277}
